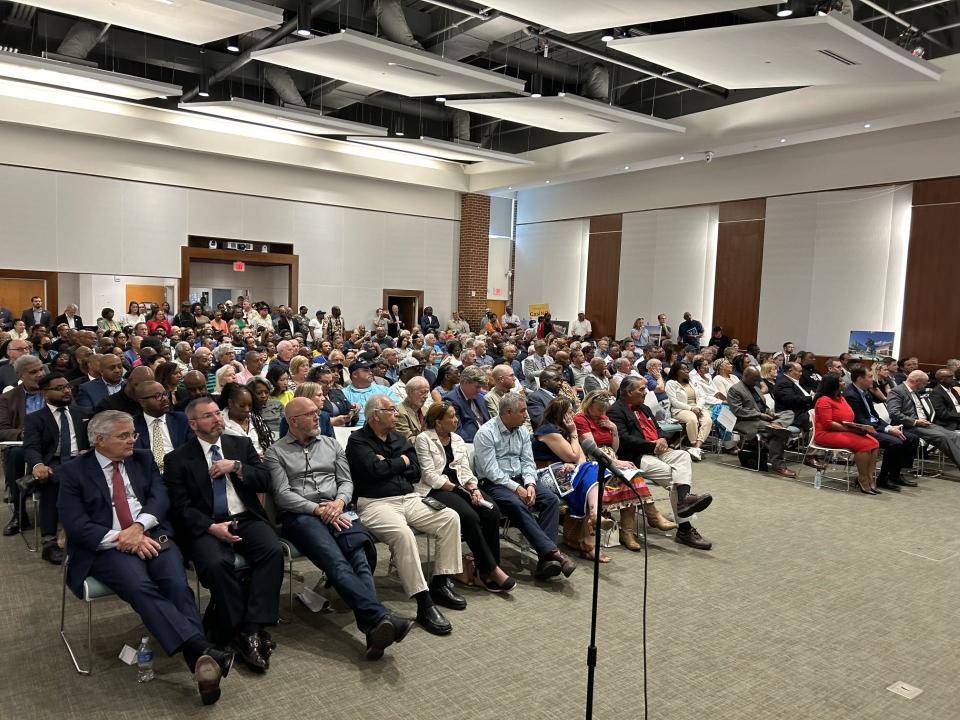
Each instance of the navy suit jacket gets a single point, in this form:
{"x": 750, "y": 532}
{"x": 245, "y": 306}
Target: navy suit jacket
{"x": 86, "y": 507}
{"x": 41, "y": 435}
{"x": 177, "y": 426}
{"x": 89, "y": 394}
{"x": 861, "y": 411}
{"x": 468, "y": 421}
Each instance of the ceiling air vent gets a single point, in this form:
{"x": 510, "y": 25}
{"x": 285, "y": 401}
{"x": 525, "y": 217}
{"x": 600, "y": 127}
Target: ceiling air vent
{"x": 838, "y": 57}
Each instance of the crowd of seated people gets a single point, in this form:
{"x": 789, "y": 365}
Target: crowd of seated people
{"x": 199, "y": 421}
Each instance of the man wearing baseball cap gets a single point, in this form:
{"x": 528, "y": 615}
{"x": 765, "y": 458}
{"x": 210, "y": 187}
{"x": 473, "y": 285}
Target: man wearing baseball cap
{"x": 409, "y": 367}
{"x": 362, "y": 387}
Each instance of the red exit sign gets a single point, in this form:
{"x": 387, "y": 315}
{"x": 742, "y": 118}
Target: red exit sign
{"x": 239, "y": 266}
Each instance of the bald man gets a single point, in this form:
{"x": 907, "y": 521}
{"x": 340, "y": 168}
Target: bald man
{"x": 126, "y": 400}
{"x": 195, "y": 385}
{"x": 910, "y": 407}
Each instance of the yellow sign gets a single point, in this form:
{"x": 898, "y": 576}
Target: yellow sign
{"x": 538, "y": 310}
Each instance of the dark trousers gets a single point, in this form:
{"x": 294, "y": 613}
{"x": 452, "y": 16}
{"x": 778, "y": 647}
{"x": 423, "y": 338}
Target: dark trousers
{"x": 479, "y": 526}
{"x": 350, "y": 575}
{"x": 259, "y": 602}
{"x": 897, "y": 455}
{"x": 542, "y": 531}
{"x": 49, "y": 517}
{"x": 14, "y": 468}
{"x": 157, "y": 590}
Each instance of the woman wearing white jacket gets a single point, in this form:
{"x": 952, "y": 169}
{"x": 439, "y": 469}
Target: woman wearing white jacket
{"x": 447, "y": 477}
{"x": 688, "y": 407}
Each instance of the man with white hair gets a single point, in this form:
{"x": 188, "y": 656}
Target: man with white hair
{"x": 413, "y": 409}
{"x": 286, "y": 349}
{"x": 70, "y": 318}
{"x": 909, "y": 407}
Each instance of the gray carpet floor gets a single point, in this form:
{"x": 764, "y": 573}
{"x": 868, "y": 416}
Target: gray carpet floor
{"x": 810, "y": 604}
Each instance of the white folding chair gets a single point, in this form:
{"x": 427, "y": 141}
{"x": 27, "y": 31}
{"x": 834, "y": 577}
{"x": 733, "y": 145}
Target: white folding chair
{"x": 834, "y": 456}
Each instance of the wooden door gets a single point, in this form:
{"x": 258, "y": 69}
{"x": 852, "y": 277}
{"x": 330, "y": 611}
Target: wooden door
{"x": 497, "y": 306}
{"x": 15, "y": 293}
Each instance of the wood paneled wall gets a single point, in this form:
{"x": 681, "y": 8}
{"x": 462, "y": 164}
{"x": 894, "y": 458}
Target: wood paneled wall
{"x": 736, "y": 294}
{"x": 603, "y": 273}
{"x": 929, "y": 328}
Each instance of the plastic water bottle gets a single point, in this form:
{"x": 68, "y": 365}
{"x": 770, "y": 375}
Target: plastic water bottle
{"x": 144, "y": 661}
{"x": 818, "y": 480}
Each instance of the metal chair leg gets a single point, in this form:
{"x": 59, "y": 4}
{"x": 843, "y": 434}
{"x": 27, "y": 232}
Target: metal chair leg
{"x": 63, "y": 634}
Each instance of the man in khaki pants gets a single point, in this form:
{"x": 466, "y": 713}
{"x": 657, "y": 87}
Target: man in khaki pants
{"x": 384, "y": 468}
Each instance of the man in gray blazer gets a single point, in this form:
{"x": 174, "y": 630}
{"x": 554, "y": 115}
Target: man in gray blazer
{"x": 916, "y": 414}
{"x": 754, "y": 418}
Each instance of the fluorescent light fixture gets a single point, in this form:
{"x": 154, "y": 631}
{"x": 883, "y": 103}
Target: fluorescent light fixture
{"x": 299, "y": 120}
{"x": 383, "y": 65}
{"x": 80, "y": 77}
{"x": 197, "y": 22}
{"x": 442, "y": 149}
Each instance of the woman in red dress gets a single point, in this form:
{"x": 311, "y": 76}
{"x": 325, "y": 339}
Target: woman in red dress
{"x": 834, "y": 428}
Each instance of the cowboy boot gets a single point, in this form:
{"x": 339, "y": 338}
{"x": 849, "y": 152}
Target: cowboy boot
{"x": 655, "y": 519}
{"x": 628, "y": 529}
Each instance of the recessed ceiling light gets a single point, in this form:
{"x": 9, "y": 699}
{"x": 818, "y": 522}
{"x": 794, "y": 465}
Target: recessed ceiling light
{"x": 683, "y": 157}
{"x": 866, "y": 126}
{"x": 783, "y": 140}
{"x": 607, "y": 35}
{"x": 548, "y": 182}
{"x": 440, "y": 99}
{"x": 784, "y": 10}
{"x": 536, "y": 95}
{"x": 509, "y": 187}
{"x": 626, "y": 167}
{"x": 233, "y": 44}
{"x": 399, "y": 133}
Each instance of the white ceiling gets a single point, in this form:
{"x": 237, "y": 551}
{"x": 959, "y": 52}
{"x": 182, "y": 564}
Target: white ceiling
{"x": 80, "y": 77}
{"x": 800, "y": 116}
{"x": 442, "y": 149}
{"x": 384, "y": 65}
{"x": 820, "y": 50}
{"x": 192, "y": 21}
{"x": 287, "y": 118}
{"x": 574, "y": 16}
{"x": 565, "y": 113}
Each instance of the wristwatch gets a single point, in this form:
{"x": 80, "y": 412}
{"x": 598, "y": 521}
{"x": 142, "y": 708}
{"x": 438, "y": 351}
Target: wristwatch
{"x": 236, "y": 466}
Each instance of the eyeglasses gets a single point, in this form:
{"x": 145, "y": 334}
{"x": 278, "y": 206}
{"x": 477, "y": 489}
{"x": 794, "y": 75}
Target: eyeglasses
{"x": 314, "y": 413}
{"x": 126, "y": 436}
{"x": 392, "y": 411}
{"x": 58, "y": 388}
{"x": 158, "y": 396}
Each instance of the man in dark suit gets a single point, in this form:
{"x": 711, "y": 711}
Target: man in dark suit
{"x": 70, "y": 318}
{"x": 537, "y": 400}
{"x": 52, "y": 436}
{"x": 36, "y": 315}
{"x": 15, "y": 405}
{"x": 946, "y": 400}
{"x": 899, "y": 449}
{"x": 114, "y": 509}
{"x": 15, "y": 348}
{"x": 809, "y": 378}
{"x": 470, "y": 405}
{"x": 126, "y": 399}
{"x": 159, "y": 430}
{"x": 909, "y": 407}
{"x": 429, "y": 323}
{"x": 6, "y": 318}
{"x": 642, "y": 443}
{"x": 288, "y": 321}
{"x": 789, "y": 394}
{"x": 91, "y": 394}
{"x": 213, "y": 481}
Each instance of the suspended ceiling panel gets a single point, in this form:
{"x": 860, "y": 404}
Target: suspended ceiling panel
{"x": 192, "y": 21}
{"x": 384, "y": 65}
{"x": 565, "y": 113}
{"x": 442, "y": 149}
{"x": 80, "y": 77}
{"x": 824, "y": 50}
{"x": 574, "y": 16}
{"x": 284, "y": 118}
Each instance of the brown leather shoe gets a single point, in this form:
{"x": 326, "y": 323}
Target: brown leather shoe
{"x": 208, "y": 674}
{"x": 784, "y": 472}
{"x": 690, "y": 537}
{"x": 693, "y": 504}
{"x": 815, "y": 464}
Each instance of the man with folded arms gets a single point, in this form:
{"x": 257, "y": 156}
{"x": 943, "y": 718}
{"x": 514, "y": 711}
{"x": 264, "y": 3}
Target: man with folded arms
{"x": 311, "y": 485}
{"x": 213, "y": 482}
{"x": 384, "y": 468}
{"x": 503, "y": 458}
{"x": 113, "y": 506}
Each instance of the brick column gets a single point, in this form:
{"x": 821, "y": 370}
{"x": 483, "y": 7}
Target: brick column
{"x": 472, "y": 261}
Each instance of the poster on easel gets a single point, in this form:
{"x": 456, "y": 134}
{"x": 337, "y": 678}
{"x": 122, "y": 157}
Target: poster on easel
{"x": 870, "y": 344}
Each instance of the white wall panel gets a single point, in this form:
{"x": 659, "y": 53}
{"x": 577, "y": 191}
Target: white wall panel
{"x": 833, "y": 262}
{"x": 154, "y": 221}
{"x": 89, "y": 227}
{"x": 214, "y": 214}
{"x": 551, "y": 267}
{"x": 28, "y": 230}
{"x": 498, "y": 264}
{"x": 667, "y": 264}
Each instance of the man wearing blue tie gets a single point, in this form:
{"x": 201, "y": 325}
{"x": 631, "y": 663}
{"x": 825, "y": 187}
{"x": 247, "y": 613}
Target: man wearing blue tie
{"x": 53, "y": 436}
{"x": 114, "y": 509}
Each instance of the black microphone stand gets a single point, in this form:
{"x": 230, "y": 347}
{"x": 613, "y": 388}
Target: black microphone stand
{"x": 605, "y": 463}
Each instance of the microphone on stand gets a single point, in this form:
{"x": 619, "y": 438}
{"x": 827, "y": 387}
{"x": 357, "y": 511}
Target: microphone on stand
{"x": 590, "y": 448}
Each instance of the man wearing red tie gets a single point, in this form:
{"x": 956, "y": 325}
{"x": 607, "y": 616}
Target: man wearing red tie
{"x": 113, "y": 506}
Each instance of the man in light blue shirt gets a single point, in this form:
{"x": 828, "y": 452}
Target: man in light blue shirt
{"x": 362, "y": 387}
{"x": 503, "y": 458}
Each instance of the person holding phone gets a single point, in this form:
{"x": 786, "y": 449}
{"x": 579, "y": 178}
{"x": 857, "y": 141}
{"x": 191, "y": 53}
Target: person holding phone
{"x": 834, "y": 428}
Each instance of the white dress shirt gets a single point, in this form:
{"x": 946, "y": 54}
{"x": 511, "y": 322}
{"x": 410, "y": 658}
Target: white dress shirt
{"x": 150, "y": 420}
{"x": 69, "y": 420}
{"x": 235, "y": 505}
{"x": 148, "y": 521}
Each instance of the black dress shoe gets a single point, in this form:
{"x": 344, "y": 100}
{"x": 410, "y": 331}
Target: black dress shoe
{"x": 888, "y": 486}
{"x": 52, "y": 553}
{"x": 433, "y": 621}
{"x": 901, "y": 480}
{"x": 224, "y": 659}
{"x": 402, "y": 626}
{"x": 15, "y": 526}
{"x": 444, "y": 596}
{"x": 382, "y": 636}
{"x": 267, "y": 644}
{"x": 248, "y": 650}
{"x": 208, "y": 675}
{"x": 692, "y": 538}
